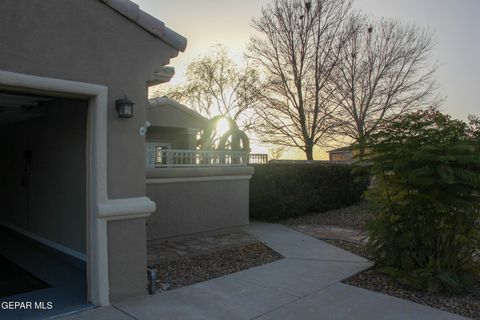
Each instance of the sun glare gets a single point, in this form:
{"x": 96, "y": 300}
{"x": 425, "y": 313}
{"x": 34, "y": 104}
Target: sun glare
{"x": 222, "y": 126}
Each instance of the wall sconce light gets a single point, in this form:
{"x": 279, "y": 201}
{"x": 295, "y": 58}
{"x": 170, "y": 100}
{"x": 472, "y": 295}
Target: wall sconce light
{"x": 124, "y": 108}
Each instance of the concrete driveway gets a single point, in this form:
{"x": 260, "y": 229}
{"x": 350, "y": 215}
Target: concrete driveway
{"x": 304, "y": 285}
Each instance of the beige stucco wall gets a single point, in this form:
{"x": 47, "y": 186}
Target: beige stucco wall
{"x": 125, "y": 239}
{"x": 54, "y": 205}
{"x": 86, "y": 41}
{"x": 192, "y": 200}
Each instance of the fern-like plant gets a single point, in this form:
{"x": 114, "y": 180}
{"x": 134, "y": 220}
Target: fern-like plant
{"x": 426, "y": 196}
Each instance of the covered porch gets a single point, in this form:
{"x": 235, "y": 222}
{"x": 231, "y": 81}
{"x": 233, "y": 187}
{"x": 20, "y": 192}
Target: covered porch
{"x": 196, "y": 190}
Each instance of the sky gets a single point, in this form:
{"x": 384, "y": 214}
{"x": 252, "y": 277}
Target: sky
{"x": 455, "y": 23}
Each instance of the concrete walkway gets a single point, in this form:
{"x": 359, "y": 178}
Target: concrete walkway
{"x": 304, "y": 285}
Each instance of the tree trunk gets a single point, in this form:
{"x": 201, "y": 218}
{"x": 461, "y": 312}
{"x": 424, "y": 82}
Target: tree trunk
{"x": 309, "y": 152}
{"x": 361, "y": 147}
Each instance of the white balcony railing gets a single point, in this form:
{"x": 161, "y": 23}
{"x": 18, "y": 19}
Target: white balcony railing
{"x": 168, "y": 158}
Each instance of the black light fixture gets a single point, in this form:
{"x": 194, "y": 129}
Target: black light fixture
{"x": 124, "y": 108}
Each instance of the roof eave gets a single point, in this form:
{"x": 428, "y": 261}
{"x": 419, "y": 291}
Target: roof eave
{"x": 132, "y": 11}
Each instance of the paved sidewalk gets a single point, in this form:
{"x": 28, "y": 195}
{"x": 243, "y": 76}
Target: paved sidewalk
{"x": 304, "y": 285}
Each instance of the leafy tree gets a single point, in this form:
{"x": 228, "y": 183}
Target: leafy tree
{"x": 426, "y": 195}
{"x": 216, "y": 86}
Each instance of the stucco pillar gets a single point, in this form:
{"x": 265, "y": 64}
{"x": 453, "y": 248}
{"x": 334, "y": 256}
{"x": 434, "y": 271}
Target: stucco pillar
{"x": 127, "y": 256}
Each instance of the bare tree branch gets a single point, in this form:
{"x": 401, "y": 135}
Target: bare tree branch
{"x": 386, "y": 71}
{"x": 216, "y": 85}
{"x": 298, "y": 48}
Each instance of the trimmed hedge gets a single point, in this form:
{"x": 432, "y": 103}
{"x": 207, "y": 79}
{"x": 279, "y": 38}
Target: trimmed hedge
{"x": 280, "y": 191}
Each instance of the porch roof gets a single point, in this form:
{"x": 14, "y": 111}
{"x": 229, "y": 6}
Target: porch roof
{"x": 166, "y": 112}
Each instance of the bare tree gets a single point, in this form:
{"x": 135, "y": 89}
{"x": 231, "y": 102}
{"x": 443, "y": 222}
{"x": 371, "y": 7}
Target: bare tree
{"x": 298, "y": 47}
{"x": 386, "y": 70}
{"x": 276, "y": 152}
{"x": 216, "y": 85}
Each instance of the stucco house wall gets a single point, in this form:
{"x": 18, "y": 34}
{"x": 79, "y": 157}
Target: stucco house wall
{"x": 89, "y": 42}
{"x": 86, "y": 41}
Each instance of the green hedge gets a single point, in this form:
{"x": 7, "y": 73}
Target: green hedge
{"x": 280, "y": 191}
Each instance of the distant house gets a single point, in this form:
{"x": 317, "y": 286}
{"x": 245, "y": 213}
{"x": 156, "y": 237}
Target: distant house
{"x": 172, "y": 126}
{"x": 344, "y": 155}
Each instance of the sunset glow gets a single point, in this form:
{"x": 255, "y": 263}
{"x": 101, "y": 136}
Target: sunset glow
{"x": 227, "y": 22}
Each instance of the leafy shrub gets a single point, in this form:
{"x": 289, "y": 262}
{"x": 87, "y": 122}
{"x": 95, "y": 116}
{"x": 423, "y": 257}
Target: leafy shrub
{"x": 426, "y": 230}
{"x": 280, "y": 191}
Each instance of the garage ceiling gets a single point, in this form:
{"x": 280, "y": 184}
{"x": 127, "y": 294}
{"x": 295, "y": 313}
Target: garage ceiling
{"x": 17, "y": 107}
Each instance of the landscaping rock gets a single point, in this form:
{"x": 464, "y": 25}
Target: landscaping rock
{"x": 350, "y": 217}
{"x": 187, "y": 271}
{"x": 372, "y": 279}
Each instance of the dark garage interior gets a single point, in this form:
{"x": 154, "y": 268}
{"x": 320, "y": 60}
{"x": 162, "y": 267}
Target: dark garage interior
{"x": 43, "y": 195}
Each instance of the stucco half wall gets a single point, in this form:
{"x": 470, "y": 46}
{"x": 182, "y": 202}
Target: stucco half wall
{"x": 192, "y": 200}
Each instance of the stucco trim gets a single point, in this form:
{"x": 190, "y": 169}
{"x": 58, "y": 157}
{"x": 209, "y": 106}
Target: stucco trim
{"x": 131, "y": 208}
{"x": 196, "y": 179}
{"x": 97, "y": 193}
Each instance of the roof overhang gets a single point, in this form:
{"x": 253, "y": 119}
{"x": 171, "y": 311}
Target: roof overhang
{"x": 163, "y": 75}
{"x": 148, "y": 22}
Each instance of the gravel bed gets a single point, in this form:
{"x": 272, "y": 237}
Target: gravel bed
{"x": 351, "y": 217}
{"x": 355, "y": 248}
{"x": 187, "y": 271}
{"x": 464, "y": 305}
{"x": 372, "y": 279}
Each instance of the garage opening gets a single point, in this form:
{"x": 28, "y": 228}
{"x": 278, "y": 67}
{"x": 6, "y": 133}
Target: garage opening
{"x": 43, "y": 197}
